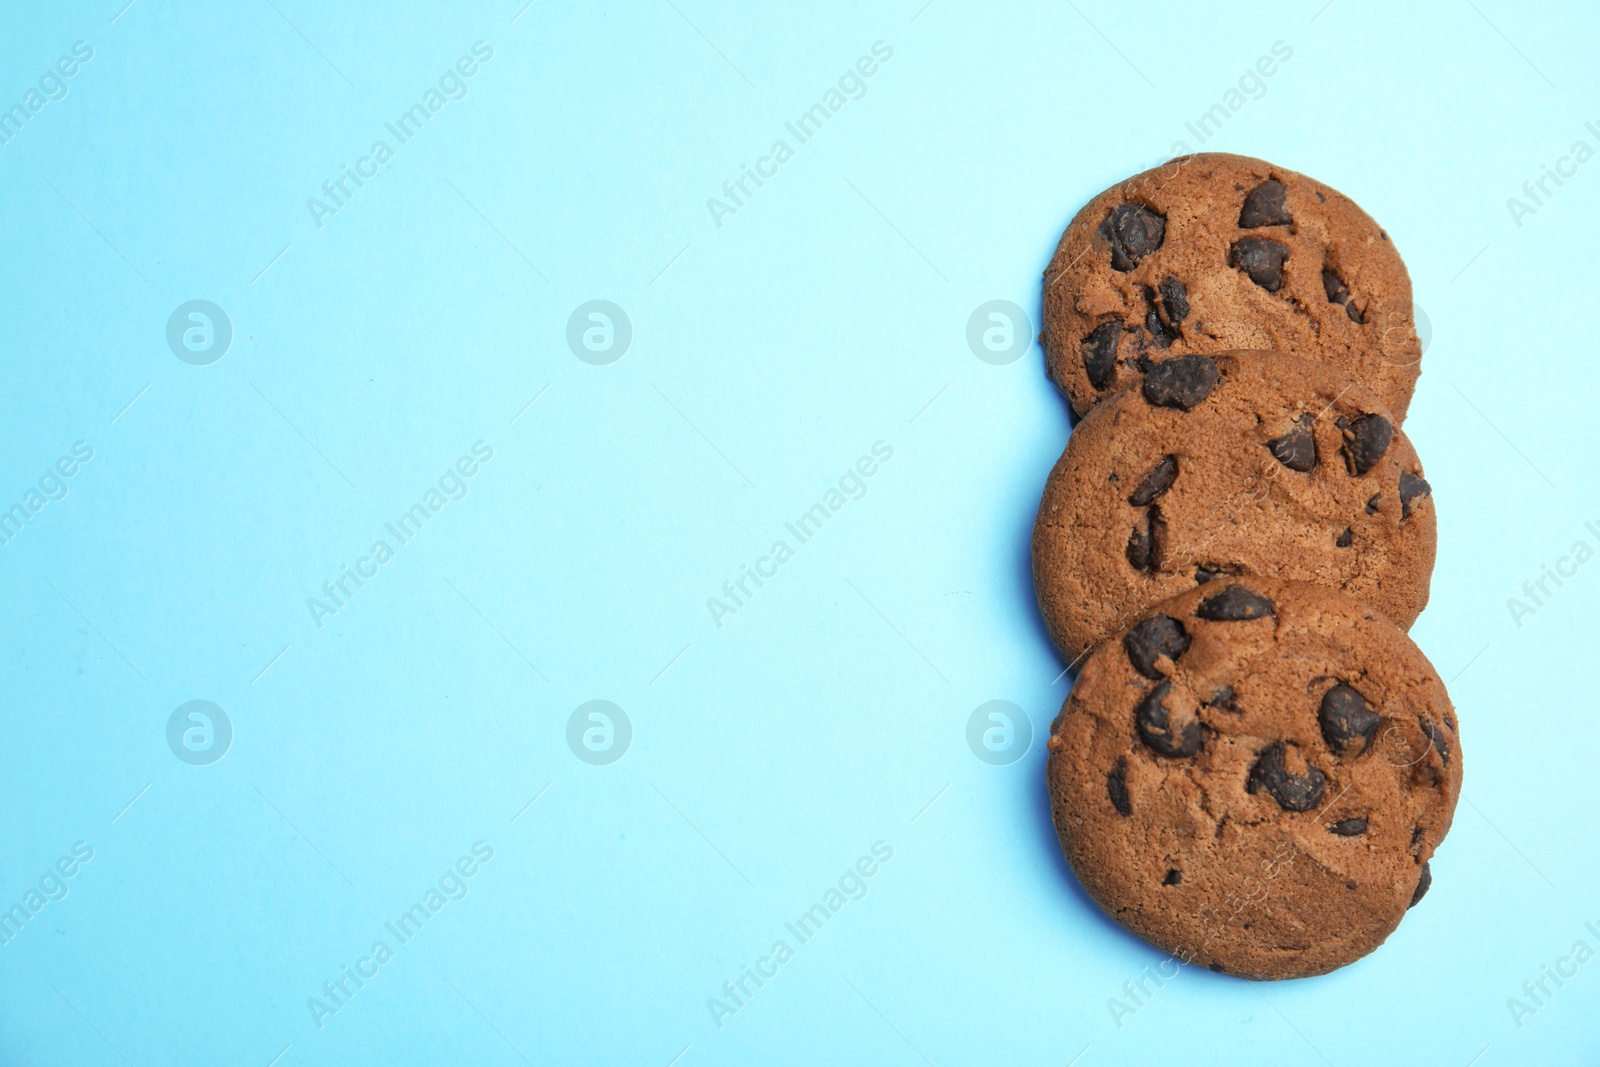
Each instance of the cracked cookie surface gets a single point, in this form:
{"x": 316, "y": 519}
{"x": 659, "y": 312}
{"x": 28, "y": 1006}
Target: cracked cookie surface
{"x": 1212, "y": 252}
{"x": 1243, "y": 463}
{"x": 1254, "y": 775}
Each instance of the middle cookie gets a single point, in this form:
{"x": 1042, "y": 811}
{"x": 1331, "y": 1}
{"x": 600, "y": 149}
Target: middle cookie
{"x": 1244, "y": 463}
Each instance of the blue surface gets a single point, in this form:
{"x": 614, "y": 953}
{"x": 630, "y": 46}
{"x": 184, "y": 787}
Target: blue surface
{"x": 417, "y": 733}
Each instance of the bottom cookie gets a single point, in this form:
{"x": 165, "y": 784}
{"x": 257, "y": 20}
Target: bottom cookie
{"x": 1253, "y": 776}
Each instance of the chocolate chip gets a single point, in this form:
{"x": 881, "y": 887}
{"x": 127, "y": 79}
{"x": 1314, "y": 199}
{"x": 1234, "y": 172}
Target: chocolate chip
{"x": 1157, "y": 730}
{"x": 1174, "y": 876}
{"x": 1214, "y": 967}
{"x": 1157, "y": 636}
{"x": 1350, "y": 827}
{"x": 1223, "y": 698}
{"x": 1235, "y": 604}
{"x": 1175, "y": 298}
{"x": 1296, "y": 449}
{"x": 1144, "y": 546}
{"x": 1138, "y": 550}
{"x": 1134, "y": 232}
{"x": 1411, "y": 487}
{"x": 1343, "y": 540}
{"x": 1100, "y": 354}
{"x": 1372, "y": 504}
{"x": 1117, "y": 788}
{"x": 1162, "y": 334}
{"x": 1293, "y": 792}
{"x": 1264, "y": 206}
{"x": 1206, "y": 572}
{"x": 1422, "y": 886}
{"x": 1366, "y": 439}
{"x": 1155, "y": 482}
{"x": 1261, "y": 259}
{"x": 1334, "y": 287}
{"x": 1168, "y": 309}
{"x": 1182, "y": 382}
{"x": 1441, "y": 743}
{"x": 1348, "y": 724}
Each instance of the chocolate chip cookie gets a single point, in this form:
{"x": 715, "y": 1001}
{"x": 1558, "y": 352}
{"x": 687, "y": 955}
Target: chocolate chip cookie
{"x": 1241, "y": 463}
{"x": 1254, "y": 775}
{"x": 1213, "y": 252}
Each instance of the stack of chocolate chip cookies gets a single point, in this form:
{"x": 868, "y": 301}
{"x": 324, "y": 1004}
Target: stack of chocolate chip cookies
{"x": 1255, "y": 762}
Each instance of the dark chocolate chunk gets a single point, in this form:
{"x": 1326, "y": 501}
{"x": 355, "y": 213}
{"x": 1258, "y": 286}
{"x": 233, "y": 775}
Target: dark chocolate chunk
{"x": 1182, "y": 382}
{"x": 1441, "y": 743}
{"x": 1223, "y": 698}
{"x": 1355, "y": 314}
{"x": 1422, "y": 886}
{"x": 1134, "y": 232}
{"x": 1264, "y": 206}
{"x": 1155, "y": 482}
{"x": 1334, "y": 287}
{"x": 1174, "y": 876}
{"x": 1100, "y": 354}
{"x": 1235, "y": 604}
{"x": 1349, "y": 827}
{"x": 1293, "y": 792}
{"x": 1343, "y": 540}
{"x": 1157, "y": 730}
{"x": 1261, "y": 259}
{"x": 1162, "y": 334}
{"x": 1117, "y": 788}
{"x": 1157, "y": 636}
{"x": 1138, "y": 550}
{"x": 1175, "y": 298}
{"x": 1214, "y": 967}
{"x": 1168, "y": 308}
{"x": 1366, "y": 439}
{"x": 1144, "y": 546}
{"x": 1297, "y": 449}
{"x": 1348, "y": 724}
{"x": 1372, "y": 504}
{"x": 1411, "y": 487}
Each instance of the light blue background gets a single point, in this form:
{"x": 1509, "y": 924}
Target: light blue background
{"x": 768, "y": 353}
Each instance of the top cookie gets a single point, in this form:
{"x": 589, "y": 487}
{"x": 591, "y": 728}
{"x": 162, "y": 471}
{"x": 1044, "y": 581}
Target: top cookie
{"x": 1212, "y": 252}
